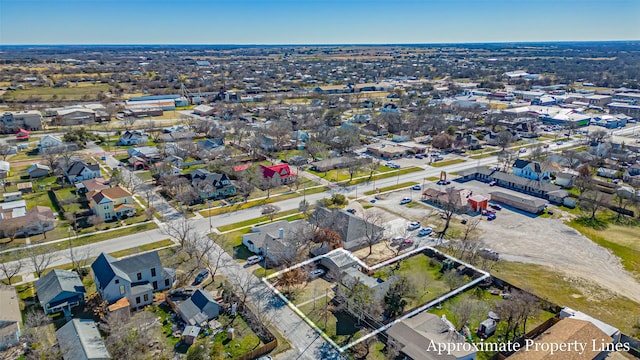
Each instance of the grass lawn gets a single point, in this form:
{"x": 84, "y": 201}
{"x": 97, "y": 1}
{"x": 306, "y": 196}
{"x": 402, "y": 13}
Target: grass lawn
{"x": 447, "y": 162}
{"x": 144, "y": 175}
{"x": 621, "y": 240}
{"x": 243, "y": 342}
{"x": 337, "y": 174}
{"x": 485, "y": 155}
{"x": 391, "y": 188}
{"x": 260, "y": 202}
{"x": 546, "y": 283}
{"x": 385, "y": 175}
{"x": 139, "y": 249}
{"x": 73, "y": 92}
{"x": 424, "y": 274}
{"x": 432, "y": 178}
{"x": 232, "y": 240}
{"x": 257, "y": 220}
{"x": 337, "y": 325}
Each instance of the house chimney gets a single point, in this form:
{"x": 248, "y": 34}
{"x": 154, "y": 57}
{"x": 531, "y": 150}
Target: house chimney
{"x": 281, "y": 233}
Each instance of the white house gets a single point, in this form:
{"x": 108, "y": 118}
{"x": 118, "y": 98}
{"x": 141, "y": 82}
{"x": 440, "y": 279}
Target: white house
{"x": 10, "y": 317}
{"x": 530, "y": 170}
{"x": 135, "y": 278}
{"x": 133, "y": 137}
{"x": 49, "y": 141}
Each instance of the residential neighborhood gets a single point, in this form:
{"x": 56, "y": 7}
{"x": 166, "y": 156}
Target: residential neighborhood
{"x": 319, "y": 202}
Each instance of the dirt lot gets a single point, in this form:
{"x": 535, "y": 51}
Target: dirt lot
{"x": 520, "y": 237}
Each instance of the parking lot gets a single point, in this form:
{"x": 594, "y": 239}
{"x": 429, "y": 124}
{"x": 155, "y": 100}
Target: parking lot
{"x": 523, "y": 237}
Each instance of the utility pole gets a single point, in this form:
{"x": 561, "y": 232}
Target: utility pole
{"x": 71, "y": 248}
{"x": 209, "y": 212}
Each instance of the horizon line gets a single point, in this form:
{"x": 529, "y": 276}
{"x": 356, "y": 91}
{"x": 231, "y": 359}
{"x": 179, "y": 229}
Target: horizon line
{"x": 327, "y": 44}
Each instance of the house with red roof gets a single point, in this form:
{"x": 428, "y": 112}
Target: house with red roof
{"x": 22, "y": 135}
{"x": 279, "y": 174}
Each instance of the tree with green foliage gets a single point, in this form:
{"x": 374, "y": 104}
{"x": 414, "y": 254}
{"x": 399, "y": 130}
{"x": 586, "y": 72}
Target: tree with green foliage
{"x": 395, "y": 298}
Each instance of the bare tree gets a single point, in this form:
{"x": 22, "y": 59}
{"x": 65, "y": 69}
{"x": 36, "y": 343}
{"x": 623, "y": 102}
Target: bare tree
{"x": 591, "y": 202}
{"x": 504, "y": 138}
{"x": 40, "y": 258}
{"x": 11, "y": 231}
{"x": 10, "y": 265}
{"x": 373, "y": 230}
{"x": 36, "y": 334}
{"x": 5, "y": 150}
{"x": 465, "y": 310}
{"x": 96, "y": 221}
{"x": 80, "y": 258}
{"x": 453, "y": 279}
{"x": 181, "y": 229}
{"x": 128, "y": 122}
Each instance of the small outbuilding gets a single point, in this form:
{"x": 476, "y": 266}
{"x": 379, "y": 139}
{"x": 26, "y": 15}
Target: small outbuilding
{"x": 478, "y": 202}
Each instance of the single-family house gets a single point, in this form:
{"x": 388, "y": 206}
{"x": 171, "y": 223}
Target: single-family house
{"x": 337, "y": 261}
{"x": 277, "y": 240}
{"x": 38, "y": 170}
{"x": 212, "y": 185}
{"x": 135, "y": 278}
{"x": 37, "y": 220}
{"x": 199, "y": 308}
{"x": 10, "y": 317}
{"x": 567, "y": 331}
{"x": 208, "y": 145}
{"x": 607, "y": 173}
{"x": 79, "y": 171}
{"x": 565, "y": 179}
{"x": 531, "y": 170}
{"x": 49, "y": 141}
{"x": 60, "y": 290}
{"x": 413, "y": 336}
{"x": 632, "y": 175}
{"x": 149, "y": 154}
{"x": 113, "y": 202}
{"x": 354, "y": 231}
{"x": 177, "y": 136}
{"x": 5, "y": 168}
{"x": 278, "y": 174}
{"x": 92, "y": 185}
{"x": 79, "y": 339}
{"x": 133, "y": 137}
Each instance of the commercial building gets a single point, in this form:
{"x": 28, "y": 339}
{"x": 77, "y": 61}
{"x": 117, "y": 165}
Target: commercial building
{"x": 13, "y": 121}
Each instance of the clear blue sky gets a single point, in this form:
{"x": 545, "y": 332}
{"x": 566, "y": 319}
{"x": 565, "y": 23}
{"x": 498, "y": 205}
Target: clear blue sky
{"x": 314, "y": 21}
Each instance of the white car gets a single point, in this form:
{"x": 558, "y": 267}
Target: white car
{"x": 413, "y": 225}
{"x": 405, "y": 201}
{"x": 254, "y": 259}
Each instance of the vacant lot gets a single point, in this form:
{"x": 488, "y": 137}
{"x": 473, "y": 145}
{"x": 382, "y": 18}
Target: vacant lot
{"x": 84, "y": 91}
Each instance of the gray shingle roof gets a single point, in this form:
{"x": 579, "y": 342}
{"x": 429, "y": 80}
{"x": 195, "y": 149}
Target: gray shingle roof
{"x": 80, "y": 339}
{"x": 200, "y": 307}
{"x": 58, "y": 281}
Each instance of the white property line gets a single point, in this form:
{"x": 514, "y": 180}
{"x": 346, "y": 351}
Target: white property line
{"x": 424, "y": 307}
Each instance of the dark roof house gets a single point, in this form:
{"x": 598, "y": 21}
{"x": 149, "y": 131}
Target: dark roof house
{"x": 199, "y": 308}
{"x": 60, "y": 290}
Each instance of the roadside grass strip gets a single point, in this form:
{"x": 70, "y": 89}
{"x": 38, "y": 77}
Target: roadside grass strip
{"x": 265, "y": 280}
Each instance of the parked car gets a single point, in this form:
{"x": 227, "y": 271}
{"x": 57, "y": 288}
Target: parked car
{"x": 405, "y": 201}
{"x": 425, "y": 232}
{"x": 419, "y": 156}
{"x": 200, "y": 277}
{"x": 486, "y": 212}
{"x": 254, "y": 259}
{"x": 373, "y": 201}
{"x": 491, "y": 217}
{"x": 406, "y": 243}
{"x": 316, "y": 273}
{"x": 416, "y": 187}
{"x": 351, "y": 211}
{"x": 443, "y": 182}
{"x": 397, "y": 240}
{"x": 438, "y": 158}
{"x": 413, "y": 225}
{"x": 495, "y": 206}
{"x": 493, "y": 183}
{"x": 522, "y": 151}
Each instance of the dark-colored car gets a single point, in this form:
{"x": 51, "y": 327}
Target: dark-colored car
{"x": 200, "y": 277}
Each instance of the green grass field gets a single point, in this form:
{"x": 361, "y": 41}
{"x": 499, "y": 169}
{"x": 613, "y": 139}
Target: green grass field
{"x": 257, "y": 220}
{"x": 391, "y": 188}
{"x": 447, "y": 162}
